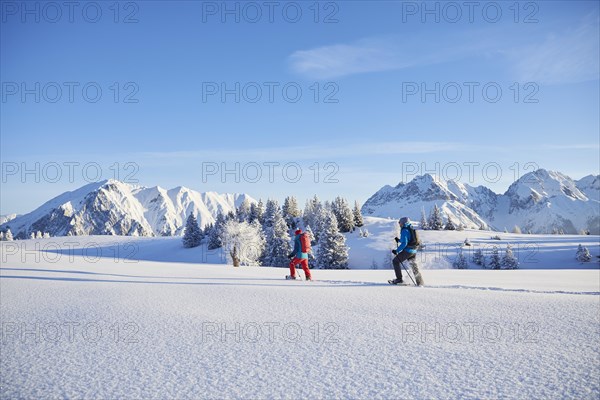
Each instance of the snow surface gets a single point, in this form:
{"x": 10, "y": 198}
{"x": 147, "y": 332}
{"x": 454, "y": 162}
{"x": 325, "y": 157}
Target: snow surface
{"x": 190, "y": 330}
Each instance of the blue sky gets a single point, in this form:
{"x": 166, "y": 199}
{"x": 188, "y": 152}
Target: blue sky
{"x": 373, "y": 59}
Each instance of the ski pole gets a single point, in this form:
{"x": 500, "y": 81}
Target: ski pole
{"x": 408, "y": 273}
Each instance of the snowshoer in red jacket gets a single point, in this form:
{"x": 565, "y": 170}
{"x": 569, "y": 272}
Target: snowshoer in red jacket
{"x": 298, "y": 256}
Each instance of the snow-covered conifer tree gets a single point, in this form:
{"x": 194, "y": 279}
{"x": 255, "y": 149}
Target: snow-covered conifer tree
{"x": 509, "y": 261}
{"x": 332, "y": 252}
{"x": 276, "y": 234}
{"x": 358, "y": 219}
{"x": 583, "y": 254}
{"x": 495, "y": 262}
{"x": 436, "y": 222}
{"x": 461, "y": 261}
{"x": 479, "y": 258}
{"x": 343, "y": 214}
{"x": 450, "y": 225}
{"x": 242, "y": 213}
{"x": 215, "y": 236}
{"x": 192, "y": 235}
{"x": 423, "y": 224}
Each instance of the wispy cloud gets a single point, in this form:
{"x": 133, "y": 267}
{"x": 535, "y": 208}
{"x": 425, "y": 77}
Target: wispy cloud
{"x": 366, "y": 55}
{"x": 572, "y": 146}
{"x": 376, "y": 54}
{"x": 563, "y": 57}
{"x": 317, "y": 152}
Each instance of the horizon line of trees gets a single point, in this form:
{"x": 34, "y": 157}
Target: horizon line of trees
{"x": 260, "y": 234}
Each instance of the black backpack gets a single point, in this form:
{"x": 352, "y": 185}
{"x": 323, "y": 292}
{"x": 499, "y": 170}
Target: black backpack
{"x": 414, "y": 241}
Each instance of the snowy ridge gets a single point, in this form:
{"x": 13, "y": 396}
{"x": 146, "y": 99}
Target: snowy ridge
{"x": 112, "y": 207}
{"x": 540, "y": 202}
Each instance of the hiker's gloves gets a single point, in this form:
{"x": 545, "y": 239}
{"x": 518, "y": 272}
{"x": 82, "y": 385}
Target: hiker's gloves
{"x": 394, "y": 252}
{"x": 396, "y": 239}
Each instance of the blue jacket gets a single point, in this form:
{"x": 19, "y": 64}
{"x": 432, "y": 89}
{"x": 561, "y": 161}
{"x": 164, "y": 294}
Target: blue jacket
{"x": 404, "y": 239}
{"x": 298, "y": 249}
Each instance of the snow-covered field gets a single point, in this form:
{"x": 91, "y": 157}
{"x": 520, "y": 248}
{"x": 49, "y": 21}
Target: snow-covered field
{"x": 133, "y": 323}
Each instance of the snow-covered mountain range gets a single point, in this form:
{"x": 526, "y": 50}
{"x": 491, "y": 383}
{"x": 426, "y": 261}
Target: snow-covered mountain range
{"x": 541, "y": 202}
{"x": 112, "y": 207}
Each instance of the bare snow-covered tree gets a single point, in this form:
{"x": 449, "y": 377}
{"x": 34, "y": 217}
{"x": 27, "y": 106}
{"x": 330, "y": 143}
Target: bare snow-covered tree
{"x": 243, "y": 242}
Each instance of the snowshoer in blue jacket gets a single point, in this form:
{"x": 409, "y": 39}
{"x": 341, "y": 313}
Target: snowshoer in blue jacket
{"x": 406, "y": 250}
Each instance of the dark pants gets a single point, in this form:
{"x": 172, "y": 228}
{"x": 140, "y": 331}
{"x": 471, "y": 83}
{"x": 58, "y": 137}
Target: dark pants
{"x": 401, "y": 257}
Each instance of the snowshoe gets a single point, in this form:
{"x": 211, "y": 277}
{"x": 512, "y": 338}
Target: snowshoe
{"x": 289, "y": 277}
{"x": 395, "y": 281}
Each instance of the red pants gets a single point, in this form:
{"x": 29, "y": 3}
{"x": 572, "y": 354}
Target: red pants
{"x": 301, "y": 261}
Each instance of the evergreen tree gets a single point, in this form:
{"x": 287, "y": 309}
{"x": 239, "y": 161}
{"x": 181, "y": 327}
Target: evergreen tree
{"x": 482, "y": 227}
{"x": 423, "y": 224}
{"x": 332, "y": 252}
{"x": 358, "y": 218}
{"x": 276, "y": 234}
{"x": 516, "y": 229}
{"x": 215, "y": 236}
{"x": 343, "y": 214}
{"x": 583, "y": 254}
{"x": 509, "y": 261}
{"x": 314, "y": 214}
{"x": 1, "y": 236}
{"x": 311, "y": 235}
{"x": 495, "y": 262}
{"x": 32, "y": 235}
{"x": 38, "y": 235}
{"x": 290, "y": 211}
{"x": 450, "y": 225}
{"x": 479, "y": 258}
{"x": 257, "y": 211}
{"x": 191, "y": 235}
{"x": 242, "y": 213}
{"x": 435, "y": 219}
{"x": 461, "y": 261}
{"x": 46, "y": 235}
{"x": 8, "y": 236}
